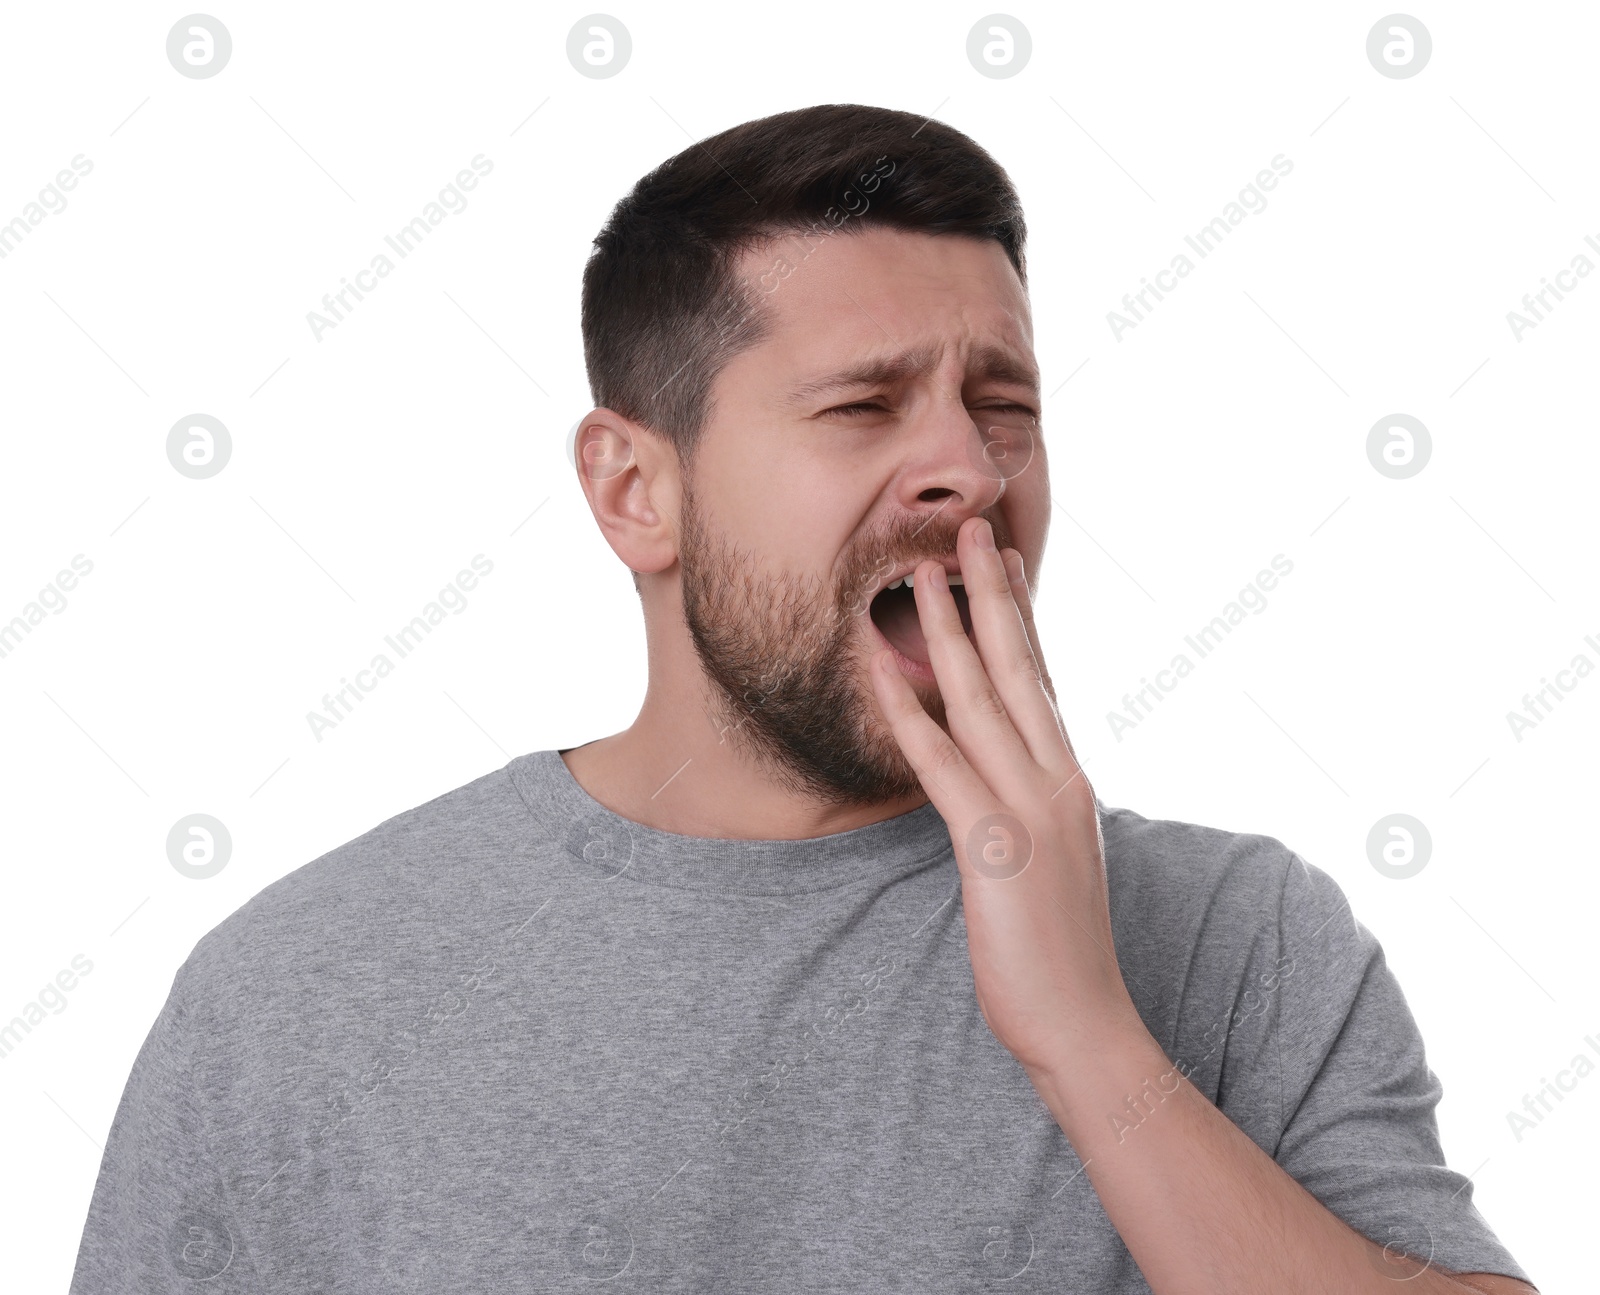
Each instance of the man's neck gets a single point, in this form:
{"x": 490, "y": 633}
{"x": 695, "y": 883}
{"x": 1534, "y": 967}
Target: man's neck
{"x": 654, "y": 775}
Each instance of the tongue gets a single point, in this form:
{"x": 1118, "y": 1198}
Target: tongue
{"x": 903, "y": 628}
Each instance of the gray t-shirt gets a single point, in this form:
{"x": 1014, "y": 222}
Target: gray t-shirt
{"x": 511, "y": 1041}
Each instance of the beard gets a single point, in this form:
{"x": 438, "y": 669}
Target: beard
{"x": 787, "y": 660}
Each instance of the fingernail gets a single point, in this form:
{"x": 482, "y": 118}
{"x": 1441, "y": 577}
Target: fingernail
{"x": 940, "y": 580}
{"x": 985, "y": 536}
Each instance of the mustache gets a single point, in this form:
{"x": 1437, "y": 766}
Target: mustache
{"x": 881, "y": 558}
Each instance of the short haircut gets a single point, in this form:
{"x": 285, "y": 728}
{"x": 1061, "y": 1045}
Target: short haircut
{"x": 663, "y": 307}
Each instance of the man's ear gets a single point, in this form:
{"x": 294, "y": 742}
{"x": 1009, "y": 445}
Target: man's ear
{"x": 630, "y": 477}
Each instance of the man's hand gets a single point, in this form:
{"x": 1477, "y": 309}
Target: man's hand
{"x": 1200, "y": 1206}
{"x": 1021, "y": 814}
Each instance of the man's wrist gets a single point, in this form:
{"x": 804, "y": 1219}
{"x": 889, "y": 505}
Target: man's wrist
{"x": 1097, "y": 1069}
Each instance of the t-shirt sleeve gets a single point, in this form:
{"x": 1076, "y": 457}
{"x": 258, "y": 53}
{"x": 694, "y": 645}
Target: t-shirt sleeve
{"x": 1354, "y": 1094}
{"x": 160, "y": 1219}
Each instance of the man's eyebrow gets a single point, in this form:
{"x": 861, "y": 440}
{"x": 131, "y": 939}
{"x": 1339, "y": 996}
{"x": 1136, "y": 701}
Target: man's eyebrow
{"x": 987, "y": 362}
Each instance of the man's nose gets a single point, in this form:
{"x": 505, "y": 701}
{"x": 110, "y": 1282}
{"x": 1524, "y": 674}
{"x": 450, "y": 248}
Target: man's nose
{"x": 963, "y": 461}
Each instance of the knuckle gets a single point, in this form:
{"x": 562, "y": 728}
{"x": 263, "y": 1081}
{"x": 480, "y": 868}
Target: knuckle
{"x": 988, "y": 702}
{"x": 945, "y": 754}
{"x": 1025, "y": 666}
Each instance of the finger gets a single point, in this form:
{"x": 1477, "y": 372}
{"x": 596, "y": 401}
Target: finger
{"x": 975, "y": 710}
{"x": 1006, "y": 647}
{"x": 1024, "y": 601}
{"x": 955, "y": 787}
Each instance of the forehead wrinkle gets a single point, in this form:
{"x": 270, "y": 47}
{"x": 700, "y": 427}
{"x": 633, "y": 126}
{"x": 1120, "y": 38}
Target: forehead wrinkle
{"x": 869, "y": 372}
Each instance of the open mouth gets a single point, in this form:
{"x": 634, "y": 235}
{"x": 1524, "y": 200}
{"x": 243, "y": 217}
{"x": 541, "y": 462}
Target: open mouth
{"x": 894, "y": 612}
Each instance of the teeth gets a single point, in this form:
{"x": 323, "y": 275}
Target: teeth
{"x": 910, "y": 580}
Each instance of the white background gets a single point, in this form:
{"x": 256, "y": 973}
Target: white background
{"x": 430, "y": 425}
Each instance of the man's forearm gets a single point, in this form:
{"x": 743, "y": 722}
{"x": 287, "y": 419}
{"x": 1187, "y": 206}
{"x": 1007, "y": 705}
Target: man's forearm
{"x": 1202, "y": 1209}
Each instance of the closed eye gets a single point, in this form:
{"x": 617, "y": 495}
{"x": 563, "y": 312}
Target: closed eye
{"x": 862, "y": 407}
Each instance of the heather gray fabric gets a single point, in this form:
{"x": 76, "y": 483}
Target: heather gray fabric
{"x": 510, "y": 1041}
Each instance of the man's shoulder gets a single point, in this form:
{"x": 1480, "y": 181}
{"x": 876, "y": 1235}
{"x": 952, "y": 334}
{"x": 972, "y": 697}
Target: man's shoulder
{"x": 394, "y": 881}
{"x": 1186, "y": 892}
{"x": 1151, "y": 860}
{"x": 1207, "y": 919}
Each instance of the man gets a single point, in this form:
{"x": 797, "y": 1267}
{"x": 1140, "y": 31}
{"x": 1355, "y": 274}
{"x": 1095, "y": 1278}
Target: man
{"x": 830, "y": 972}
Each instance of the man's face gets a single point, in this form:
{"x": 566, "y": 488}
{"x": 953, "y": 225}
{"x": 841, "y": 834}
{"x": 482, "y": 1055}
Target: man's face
{"x": 810, "y": 492}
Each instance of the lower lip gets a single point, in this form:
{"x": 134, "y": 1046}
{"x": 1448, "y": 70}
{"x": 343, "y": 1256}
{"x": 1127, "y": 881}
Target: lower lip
{"x": 913, "y": 670}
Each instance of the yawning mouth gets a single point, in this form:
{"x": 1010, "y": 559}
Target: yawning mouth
{"x": 894, "y": 612}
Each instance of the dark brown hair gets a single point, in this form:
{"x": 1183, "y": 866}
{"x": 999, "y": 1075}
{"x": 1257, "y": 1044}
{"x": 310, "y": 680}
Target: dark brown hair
{"x": 663, "y": 306}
